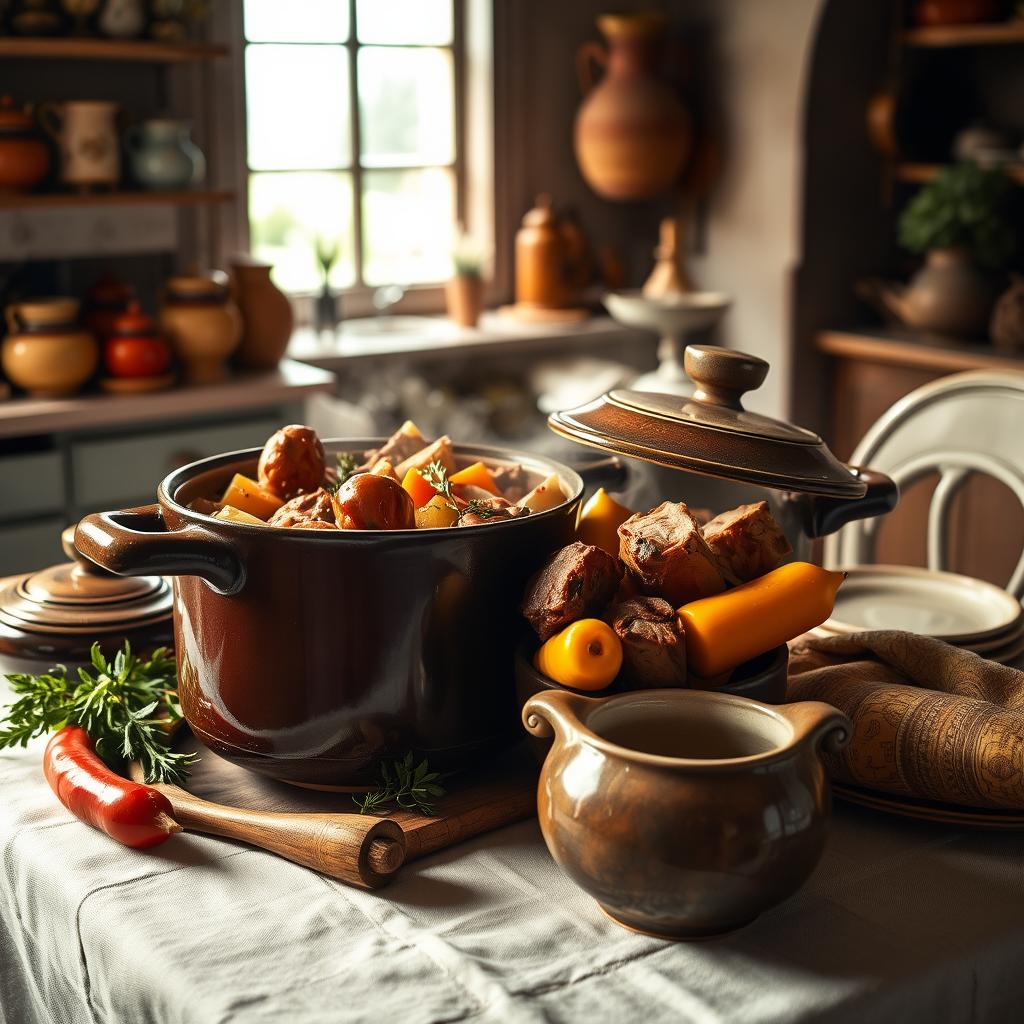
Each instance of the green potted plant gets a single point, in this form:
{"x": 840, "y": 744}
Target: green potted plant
{"x": 959, "y": 222}
{"x": 464, "y": 292}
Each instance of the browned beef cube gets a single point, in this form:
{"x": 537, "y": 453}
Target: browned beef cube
{"x": 653, "y": 642}
{"x": 576, "y": 583}
{"x": 666, "y": 553}
{"x": 314, "y": 507}
{"x": 747, "y": 541}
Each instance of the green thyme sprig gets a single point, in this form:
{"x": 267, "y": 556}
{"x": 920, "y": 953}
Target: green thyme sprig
{"x": 116, "y": 703}
{"x": 437, "y": 476}
{"x": 409, "y": 787}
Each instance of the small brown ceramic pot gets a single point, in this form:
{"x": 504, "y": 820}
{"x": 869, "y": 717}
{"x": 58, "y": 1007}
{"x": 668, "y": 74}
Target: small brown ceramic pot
{"x": 684, "y": 813}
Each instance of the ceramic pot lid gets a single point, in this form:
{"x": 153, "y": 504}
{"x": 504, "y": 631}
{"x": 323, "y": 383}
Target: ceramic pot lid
{"x": 73, "y": 604}
{"x": 711, "y": 433}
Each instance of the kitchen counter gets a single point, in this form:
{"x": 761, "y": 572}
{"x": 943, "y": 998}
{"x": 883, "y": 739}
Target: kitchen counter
{"x": 902, "y": 921}
{"x": 288, "y": 382}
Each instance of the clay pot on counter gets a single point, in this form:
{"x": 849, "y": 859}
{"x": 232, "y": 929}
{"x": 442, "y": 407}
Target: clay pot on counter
{"x": 684, "y": 813}
{"x": 46, "y": 352}
{"x": 633, "y": 136}
{"x": 464, "y": 297}
{"x": 550, "y": 259}
{"x": 24, "y": 154}
{"x": 267, "y": 316}
{"x": 86, "y": 134}
{"x": 202, "y": 324}
{"x": 162, "y": 155}
{"x": 948, "y": 295}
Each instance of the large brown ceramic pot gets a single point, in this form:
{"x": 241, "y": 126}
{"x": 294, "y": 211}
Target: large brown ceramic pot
{"x": 310, "y": 656}
{"x": 684, "y": 813}
{"x": 267, "y": 318}
{"x": 633, "y": 135}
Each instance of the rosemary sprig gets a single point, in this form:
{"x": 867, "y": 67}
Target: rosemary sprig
{"x": 116, "y": 703}
{"x": 347, "y": 465}
{"x": 409, "y": 787}
{"x": 437, "y": 476}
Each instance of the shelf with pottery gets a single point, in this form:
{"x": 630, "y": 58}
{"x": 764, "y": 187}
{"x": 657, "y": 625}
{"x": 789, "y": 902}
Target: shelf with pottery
{"x": 987, "y": 34}
{"x": 138, "y": 50}
{"x": 901, "y": 347}
{"x": 50, "y": 200}
{"x": 921, "y": 173}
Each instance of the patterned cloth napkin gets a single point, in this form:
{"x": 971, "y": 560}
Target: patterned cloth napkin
{"x": 930, "y": 720}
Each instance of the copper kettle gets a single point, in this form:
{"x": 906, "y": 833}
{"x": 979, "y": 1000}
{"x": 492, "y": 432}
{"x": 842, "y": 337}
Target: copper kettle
{"x": 551, "y": 259}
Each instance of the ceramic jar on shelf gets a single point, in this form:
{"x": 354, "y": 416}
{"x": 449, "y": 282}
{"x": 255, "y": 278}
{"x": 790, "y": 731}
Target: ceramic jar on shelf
{"x": 122, "y": 19}
{"x": 134, "y": 352}
{"x": 202, "y": 324}
{"x": 551, "y": 259}
{"x": 104, "y": 302}
{"x": 46, "y": 352}
{"x": 162, "y": 155}
{"x": 267, "y": 316}
{"x": 24, "y": 154}
{"x": 86, "y": 134}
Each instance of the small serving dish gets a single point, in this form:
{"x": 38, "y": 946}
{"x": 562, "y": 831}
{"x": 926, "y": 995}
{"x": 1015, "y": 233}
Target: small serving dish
{"x": 684, "y": 813}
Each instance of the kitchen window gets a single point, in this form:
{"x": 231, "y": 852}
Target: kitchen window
{"x": 353, "y": 140}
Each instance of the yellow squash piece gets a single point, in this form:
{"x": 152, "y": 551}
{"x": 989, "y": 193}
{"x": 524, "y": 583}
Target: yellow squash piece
{"x": 730, "y": 628}
{"x": 247, "y": 495}
{"x": 586, "y": 655}
{"x": 436, "y": 514}
{"x": 236, "y": 515}
{"x": 600, "y": 520}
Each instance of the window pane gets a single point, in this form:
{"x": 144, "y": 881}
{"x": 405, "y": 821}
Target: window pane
{"x": 297, "y": 21}
{"x": 408, "y": 217}
{"x": 404, "y": 21}
{"x": 407, "y": 106}
{"x": 297, "y": 100}
{"x": 289, "y": 214}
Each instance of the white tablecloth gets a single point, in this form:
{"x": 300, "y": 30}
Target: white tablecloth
{"x": 901, "y": 922}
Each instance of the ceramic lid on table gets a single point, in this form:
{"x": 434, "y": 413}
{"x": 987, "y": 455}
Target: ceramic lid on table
{"x": 958, "y": 609}
{"x": 61, "y": 610}
{"x": 711, "y": 433}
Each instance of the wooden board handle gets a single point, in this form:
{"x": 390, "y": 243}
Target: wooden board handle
{"x": 354, "y": 848}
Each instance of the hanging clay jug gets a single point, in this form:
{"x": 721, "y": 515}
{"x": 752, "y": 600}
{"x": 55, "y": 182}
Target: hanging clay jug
{"x": 633, "y": 135}
{"x": 267, "y": 318}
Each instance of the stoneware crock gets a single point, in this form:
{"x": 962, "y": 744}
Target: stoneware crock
{"x": 310, "y": 656}
{"x": 684, "y": 813}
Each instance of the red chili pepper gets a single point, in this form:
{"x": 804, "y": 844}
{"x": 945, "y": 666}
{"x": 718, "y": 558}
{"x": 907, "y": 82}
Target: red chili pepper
{"x": 134, "y": 815}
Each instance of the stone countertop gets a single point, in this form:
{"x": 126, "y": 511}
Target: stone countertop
{"x": 288, "y": 381}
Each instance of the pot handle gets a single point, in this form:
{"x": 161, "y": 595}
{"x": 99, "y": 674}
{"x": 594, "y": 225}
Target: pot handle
{"x": 608, "y": 471}
{"x": 590, "y": 53}
{"x": 136, "y": 542}
{"x": 826, "y": 515}
{"x": 556, "y": 713}
{"x": 819, "y": 724}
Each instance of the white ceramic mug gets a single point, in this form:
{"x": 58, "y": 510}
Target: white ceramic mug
{"x": 86, "y": 133}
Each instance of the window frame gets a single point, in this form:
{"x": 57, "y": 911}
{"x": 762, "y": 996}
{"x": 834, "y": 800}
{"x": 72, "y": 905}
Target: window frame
{"x": 357, "y": 299}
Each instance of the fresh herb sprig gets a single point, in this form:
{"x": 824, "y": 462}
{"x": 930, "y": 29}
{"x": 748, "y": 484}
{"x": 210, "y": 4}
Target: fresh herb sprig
{"x": 116, "y": 703}
{"x": 403, "y": 784}
{"x": 437, "y": 476}
{"x": 347, "y": 465}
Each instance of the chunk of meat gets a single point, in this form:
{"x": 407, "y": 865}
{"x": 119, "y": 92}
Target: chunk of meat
{"x": 666, "y": 553}
{"x": 439, "y": 451}
{"x": 575, "y": 583}
{"x": 292, "y": 462}
{"x": 747, "y": 541}
{"x": 315, "y": 525}
{"x": 405, "y": 441}
{"x": 653, "y": 642}
{"x": 491, "y": 510}
{"x": 315, "y": 507}
{"x": 512, "y": 481}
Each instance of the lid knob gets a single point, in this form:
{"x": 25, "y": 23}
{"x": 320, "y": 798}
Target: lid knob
{"x": 722, "y": 375}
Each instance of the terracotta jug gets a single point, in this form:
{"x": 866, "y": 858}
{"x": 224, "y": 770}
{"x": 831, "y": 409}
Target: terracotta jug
{"x": 267, "y": 318}
{"x": 633, "y": 135}
{"x": 202, "y": 324}
{"x": 550, "y": 259}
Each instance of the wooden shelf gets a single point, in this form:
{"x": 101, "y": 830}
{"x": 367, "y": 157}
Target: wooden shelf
{"x": 50, "y": 200}
{"x": 139, "y": 50}
{"x": 920, "y": 173}
{"x": 907, "y": 348}
{"x": 994, "y": 34}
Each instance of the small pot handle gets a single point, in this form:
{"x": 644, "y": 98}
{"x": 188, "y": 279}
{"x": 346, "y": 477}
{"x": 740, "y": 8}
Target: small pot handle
{"x": 608, "y": 471}
{"x": 555, "y": 713}
{"x": 826, "y": 515}
{"x": 590, "y": 53}
{"x": 136, "y": 542}
{"x": 826, "y": 728}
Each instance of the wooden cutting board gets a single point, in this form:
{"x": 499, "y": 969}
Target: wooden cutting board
{"x": 325, "y": 830}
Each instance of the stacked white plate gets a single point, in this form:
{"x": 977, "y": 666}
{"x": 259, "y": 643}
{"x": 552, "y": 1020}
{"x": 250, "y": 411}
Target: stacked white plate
{"x": 961, "y": 610}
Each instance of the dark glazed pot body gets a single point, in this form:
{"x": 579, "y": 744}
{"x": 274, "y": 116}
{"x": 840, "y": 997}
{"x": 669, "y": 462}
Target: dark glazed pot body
{"x": 310, "y": 656}
{"x": 684, "y": 847}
